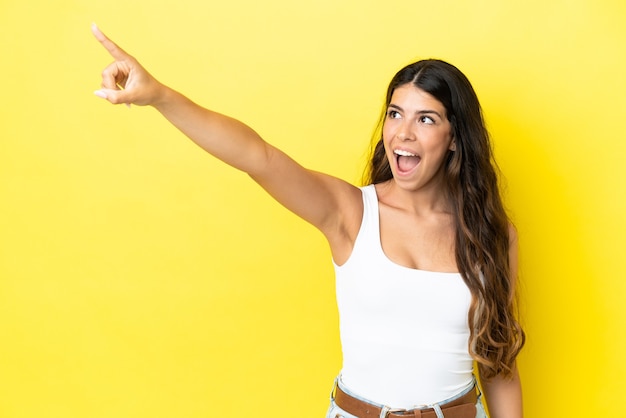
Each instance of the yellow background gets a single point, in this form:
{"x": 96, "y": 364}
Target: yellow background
{"x": 139, "y": 277}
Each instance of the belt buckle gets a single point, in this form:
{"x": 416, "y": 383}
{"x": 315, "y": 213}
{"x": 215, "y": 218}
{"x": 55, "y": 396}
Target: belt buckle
{"x": 396, "y": 411}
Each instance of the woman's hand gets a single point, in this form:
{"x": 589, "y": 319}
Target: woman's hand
{"x": 125, "y": 80}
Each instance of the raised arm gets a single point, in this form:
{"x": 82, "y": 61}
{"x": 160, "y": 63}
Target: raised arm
{"x": 330, "y": 204}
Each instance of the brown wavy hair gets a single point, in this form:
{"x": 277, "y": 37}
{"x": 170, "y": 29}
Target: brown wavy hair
{"x": 481, "y": 224}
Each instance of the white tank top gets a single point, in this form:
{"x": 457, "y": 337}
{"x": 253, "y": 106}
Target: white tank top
{"x": 404, "y": 332}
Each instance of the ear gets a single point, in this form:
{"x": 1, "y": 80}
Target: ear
{"x": 452, "y": 146}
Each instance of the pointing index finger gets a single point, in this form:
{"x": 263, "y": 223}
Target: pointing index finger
{"x": 115, "y": 51}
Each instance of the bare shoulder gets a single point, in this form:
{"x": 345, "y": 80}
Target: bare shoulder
{"x": 512, "y": 234}
{"x": 513, "y": 254}
{"x": 342, "y": 229}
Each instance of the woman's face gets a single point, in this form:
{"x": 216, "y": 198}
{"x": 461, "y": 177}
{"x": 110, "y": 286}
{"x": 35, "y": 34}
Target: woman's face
{"x": 417, "y": 137}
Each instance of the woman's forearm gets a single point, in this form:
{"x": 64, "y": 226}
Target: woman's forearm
{"x": 226, "y": 138}
{"x": 504, "y": 396}
{"x": 126, "y": 81}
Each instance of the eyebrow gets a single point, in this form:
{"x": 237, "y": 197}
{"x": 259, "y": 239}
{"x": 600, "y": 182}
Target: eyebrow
{"x": 419, "y": 112}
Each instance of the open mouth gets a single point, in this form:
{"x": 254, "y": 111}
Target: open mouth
{"x": 406, "y": 161}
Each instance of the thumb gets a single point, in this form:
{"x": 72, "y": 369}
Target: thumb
{"x": 113, "y": 96}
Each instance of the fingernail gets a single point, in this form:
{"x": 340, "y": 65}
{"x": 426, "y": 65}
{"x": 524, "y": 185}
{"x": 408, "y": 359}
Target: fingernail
{"x": 100, "y": 93}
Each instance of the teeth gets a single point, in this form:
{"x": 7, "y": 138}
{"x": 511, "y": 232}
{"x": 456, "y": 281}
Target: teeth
{"x": 403, "y": 153}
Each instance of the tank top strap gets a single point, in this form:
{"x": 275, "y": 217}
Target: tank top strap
{"x": 370, "y": 225}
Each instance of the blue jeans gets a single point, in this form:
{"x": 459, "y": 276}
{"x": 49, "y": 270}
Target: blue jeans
{"x": 335, "y": 412}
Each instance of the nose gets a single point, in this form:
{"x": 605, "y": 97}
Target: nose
{"x": 405, "y": 132}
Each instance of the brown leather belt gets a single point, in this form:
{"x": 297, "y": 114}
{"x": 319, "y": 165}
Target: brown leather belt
{"x": 463, "y": 407}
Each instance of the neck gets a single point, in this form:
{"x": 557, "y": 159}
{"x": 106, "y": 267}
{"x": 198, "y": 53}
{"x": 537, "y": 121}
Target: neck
{"x": 428, "y": 199}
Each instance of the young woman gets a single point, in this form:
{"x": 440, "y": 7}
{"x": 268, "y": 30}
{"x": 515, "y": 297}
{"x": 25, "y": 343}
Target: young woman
{"x": 424, "y": 254}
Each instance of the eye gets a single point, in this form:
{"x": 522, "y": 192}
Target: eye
{"x": 426, "y": 120}
{"x": 393, "y": 114}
